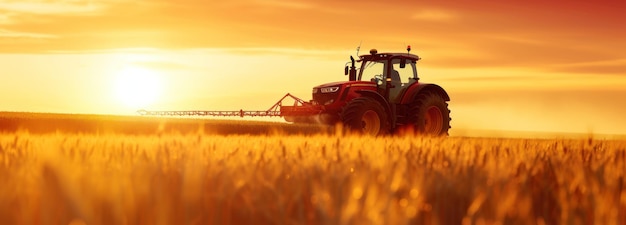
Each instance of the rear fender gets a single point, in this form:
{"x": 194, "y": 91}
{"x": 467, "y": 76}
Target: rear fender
{"x": 417, "y": 88}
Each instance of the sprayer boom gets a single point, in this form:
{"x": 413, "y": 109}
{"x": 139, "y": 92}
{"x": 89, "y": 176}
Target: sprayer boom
{"x": 276, "y": 110}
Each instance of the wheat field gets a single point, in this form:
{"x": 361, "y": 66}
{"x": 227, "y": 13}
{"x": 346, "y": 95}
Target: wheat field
{"x": 200, "y": 178}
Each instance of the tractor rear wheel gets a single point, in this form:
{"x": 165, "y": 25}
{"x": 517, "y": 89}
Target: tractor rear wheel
{"x": 366, "y": 116}
{"x": 430, "y": 115}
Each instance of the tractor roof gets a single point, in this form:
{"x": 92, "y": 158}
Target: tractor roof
{"x": 379, "y": 56}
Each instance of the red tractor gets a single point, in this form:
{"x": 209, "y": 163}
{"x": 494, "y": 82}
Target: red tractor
{"x": 383, "y": 95}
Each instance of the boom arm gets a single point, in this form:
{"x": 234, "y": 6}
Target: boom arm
{"x": 272, "y": 111}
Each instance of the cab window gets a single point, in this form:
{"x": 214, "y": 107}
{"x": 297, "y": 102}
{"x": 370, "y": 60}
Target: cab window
{"x": 405, "y": 74}
{"x": 371, "y": 70}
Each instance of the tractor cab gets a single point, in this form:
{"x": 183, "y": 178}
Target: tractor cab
{"x": 391, "y": 72}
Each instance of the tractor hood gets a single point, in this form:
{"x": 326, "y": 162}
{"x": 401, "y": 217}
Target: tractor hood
{"x": 334, "y": 95}
{"x": 346, "y": 83}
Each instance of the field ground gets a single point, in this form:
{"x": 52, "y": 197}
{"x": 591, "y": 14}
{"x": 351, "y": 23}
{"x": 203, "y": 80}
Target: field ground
{"x": 76, "y": 169}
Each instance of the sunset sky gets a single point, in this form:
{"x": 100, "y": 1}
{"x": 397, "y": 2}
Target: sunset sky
{"x": 557, "y": 66}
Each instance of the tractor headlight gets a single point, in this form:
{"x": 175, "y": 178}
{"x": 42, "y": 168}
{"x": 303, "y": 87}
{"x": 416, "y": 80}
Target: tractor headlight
{"x": 315, "y": 90}
{"x": 329, "y": 89}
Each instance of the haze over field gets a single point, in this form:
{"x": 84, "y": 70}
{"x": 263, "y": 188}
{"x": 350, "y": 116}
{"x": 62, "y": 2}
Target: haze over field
{"x": 555, "y": 66}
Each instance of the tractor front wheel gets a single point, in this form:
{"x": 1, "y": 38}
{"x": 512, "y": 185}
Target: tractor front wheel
{"x": 366, "y": 116}
{"x": 430, "y": 115}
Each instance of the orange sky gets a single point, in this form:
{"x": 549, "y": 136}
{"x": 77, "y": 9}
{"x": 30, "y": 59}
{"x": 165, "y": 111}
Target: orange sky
{"x": 517, "y": 65}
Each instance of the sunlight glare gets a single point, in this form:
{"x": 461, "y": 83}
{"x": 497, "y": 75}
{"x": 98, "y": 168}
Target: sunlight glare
{"x": 138, "y": 87}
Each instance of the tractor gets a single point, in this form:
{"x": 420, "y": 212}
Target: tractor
{"x": 383, "y": 95}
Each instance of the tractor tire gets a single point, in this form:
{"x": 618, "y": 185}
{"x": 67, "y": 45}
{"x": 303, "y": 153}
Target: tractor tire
{"x": 365, "y": 116}
{"x": 429, "y": 115}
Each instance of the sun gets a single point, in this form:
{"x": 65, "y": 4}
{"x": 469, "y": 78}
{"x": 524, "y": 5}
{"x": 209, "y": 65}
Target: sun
{"x": 137, "y": 87}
